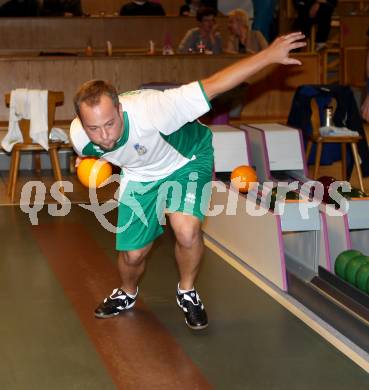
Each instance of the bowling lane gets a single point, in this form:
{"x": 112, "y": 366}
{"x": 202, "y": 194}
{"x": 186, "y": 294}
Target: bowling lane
{"x": 252, "y": 341}
{"x": 43, "y": 345}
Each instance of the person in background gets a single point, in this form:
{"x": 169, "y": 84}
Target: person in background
{"x": 263, "y": 17}
{"x": 61, "y": 8}
{"x": 204, "y": 38}
{"x": 142, "y": 8}
{"x": 242, "y": 39}
{"x": 190, "y": 8}
{"x": 14, "y": 8}
{"x": 365, "y": 105}
{"x": 318, "y": 12}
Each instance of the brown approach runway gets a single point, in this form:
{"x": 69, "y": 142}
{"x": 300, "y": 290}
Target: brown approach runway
{"x": 54, "y": 274}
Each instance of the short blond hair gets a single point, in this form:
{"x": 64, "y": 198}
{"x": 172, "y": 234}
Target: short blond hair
{"x": 241, "y": 16}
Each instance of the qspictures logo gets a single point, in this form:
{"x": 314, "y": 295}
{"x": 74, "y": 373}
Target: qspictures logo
{"x": 262, "y": 198}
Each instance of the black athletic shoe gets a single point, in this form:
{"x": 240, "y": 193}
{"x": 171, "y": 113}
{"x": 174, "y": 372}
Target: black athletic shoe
{"x": 194, "y": 311}
{"x": 117, "y": 302}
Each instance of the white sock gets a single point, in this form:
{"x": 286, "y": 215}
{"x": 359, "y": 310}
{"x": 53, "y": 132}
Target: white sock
{"x": 183, "y": 291}
{"x": 133, "y": 296}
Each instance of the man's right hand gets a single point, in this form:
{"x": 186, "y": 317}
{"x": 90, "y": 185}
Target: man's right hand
{"x": 77, "y": 161}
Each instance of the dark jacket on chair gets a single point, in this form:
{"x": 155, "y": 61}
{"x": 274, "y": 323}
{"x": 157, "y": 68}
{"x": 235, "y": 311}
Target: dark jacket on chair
{"x": 347, "y": 115}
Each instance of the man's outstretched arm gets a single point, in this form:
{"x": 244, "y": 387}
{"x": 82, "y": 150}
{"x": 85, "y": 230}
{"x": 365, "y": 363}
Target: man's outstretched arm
{"x": 233, "y": 75}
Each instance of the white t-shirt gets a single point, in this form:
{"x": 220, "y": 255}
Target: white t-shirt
{"x": 161, "y": 133}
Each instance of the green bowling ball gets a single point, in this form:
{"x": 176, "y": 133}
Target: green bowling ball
{"x": 342, "y": 260}
{"x": 353, "y": 266}
{"x": 362, "y": 276}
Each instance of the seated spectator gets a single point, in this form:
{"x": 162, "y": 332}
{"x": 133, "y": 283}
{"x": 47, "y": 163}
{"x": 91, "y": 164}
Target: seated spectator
{"x": 205, "y": 38}
{"x": 318, "y": 12}
{"x": 20, "y": 8}
{"x": 264, "y": 17}
{"x": 242, "y": 39}
{"x": 190, "y": 8}
{"x": 61, "y": 8}
{"x": 142, "y": 8}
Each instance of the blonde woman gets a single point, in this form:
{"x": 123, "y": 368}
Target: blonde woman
{"x": 242, "y": 39}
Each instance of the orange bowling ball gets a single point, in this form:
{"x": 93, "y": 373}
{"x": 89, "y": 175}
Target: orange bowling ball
{"x": 242, "y": 177}
{"x": 92, "y": 172}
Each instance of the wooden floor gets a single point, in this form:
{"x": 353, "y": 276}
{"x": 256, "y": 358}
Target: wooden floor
{"x": 54, "y": 274}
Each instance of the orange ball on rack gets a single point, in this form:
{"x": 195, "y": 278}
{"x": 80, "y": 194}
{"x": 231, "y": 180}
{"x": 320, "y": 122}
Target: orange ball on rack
{"x": 243, "y": 178}
{"x": 92, "y": 172}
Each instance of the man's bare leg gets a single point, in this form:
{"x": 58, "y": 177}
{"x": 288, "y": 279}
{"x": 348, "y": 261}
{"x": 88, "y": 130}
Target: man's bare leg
{"x": 131, "y": 265}
{"x": 189, "y": 247}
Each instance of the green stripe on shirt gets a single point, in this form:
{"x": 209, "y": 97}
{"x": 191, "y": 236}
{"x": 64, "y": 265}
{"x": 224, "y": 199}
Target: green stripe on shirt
{"x": 205, "y": 95}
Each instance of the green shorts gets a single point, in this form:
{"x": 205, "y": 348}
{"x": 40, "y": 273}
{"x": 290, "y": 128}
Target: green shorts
{"x": 142, "y": 206}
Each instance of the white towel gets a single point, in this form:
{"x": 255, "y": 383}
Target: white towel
{"x": 39, "y": 129}
{"x": 57, "y": 134}
{"x": 32, "y": 105}
{"x": 333, "y": 131}
{"x": 18, "y": 109}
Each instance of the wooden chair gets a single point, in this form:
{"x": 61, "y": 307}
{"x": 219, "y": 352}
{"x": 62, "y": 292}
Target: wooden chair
{"x": 319, "y": 140}
{"x": 54, "y": 99}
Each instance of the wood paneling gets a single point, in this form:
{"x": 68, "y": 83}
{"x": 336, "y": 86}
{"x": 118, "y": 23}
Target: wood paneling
{"x": 354, "y": 66}
{"x": 33, "y": 35}
{"x": 270, "y": 93}
{"x": 126, "y": 73}
{"x": 354, "y": 31}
